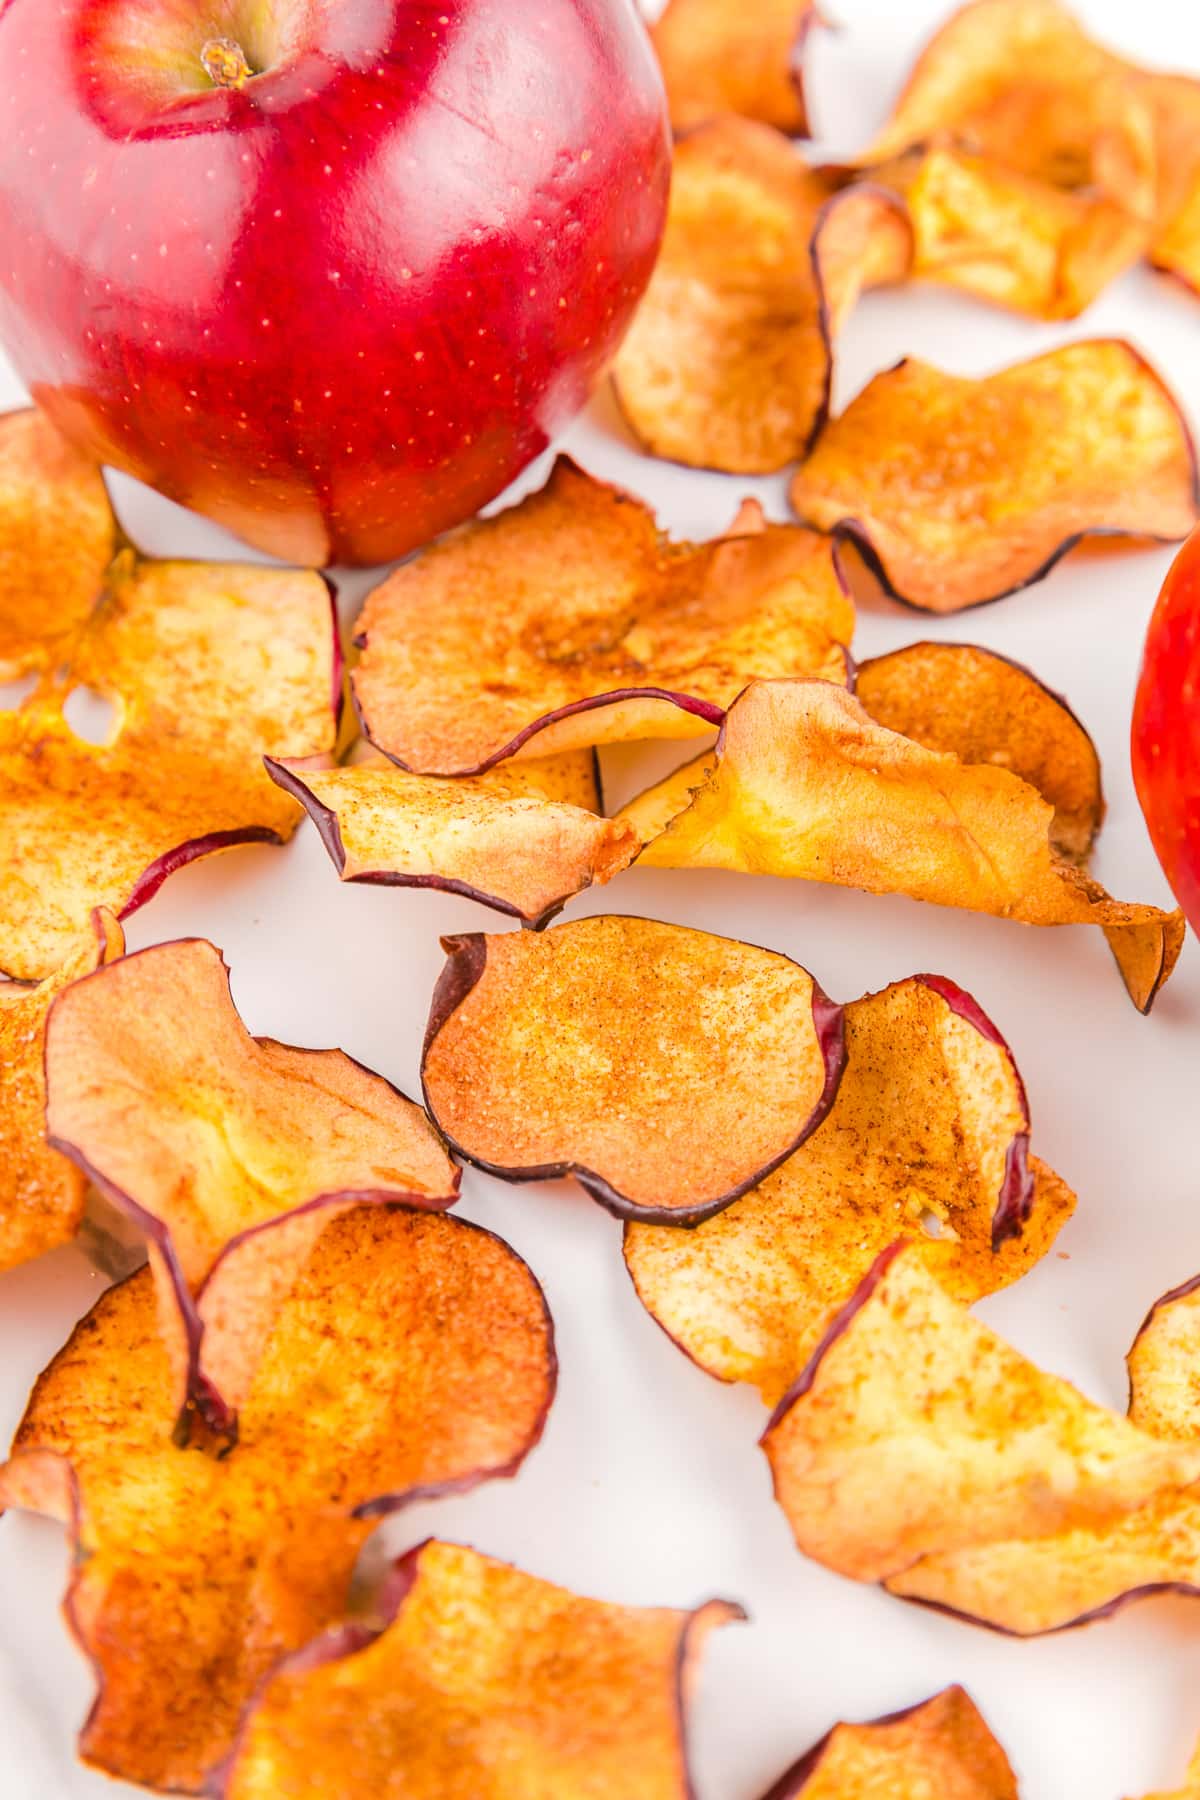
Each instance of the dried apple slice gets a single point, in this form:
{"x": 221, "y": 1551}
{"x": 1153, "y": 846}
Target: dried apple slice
{"x": 916, "y": 1431}
{"x": 716, "y": 57}
{"x": 728, "y": 363}
{"x": 929, "y": 1133}
{"x": 41, "y": 1195}
{"x": 499, "y": 838}
{"x": 941, "y": 1748}
{"x": 479, "y": 1682}
{"x": 959, "y": 491}
{"x": 412, "y": 1356}
{"x": 805, "y": 784}
{"x": 570, "y": 620}
{"x": 231, "y": 1152}
{"x": 1164, "y": 1366}
{"x": 57, "y": 538}
{"x": 667, "y": 1070}
{"x": 209, "y": 666}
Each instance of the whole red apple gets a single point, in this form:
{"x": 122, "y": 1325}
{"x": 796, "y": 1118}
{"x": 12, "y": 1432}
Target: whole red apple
{"x": 329, "y": 271}
{"x": 1166, "y": 729}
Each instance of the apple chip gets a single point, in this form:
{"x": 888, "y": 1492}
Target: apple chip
{"x": 57, "y": 538}
{"x": 959, "y": 491}
{"x": 941, "y": 1750}
{"x": 1177, "y": 248}
{"x": 1021, "y": 83}
{"x": 915, "y": 1430}
{"x": 728, "y": 362}
{"x": 41, "y": 1195}
{"x": 413, "y": 1355}
{"x": 570, "y": 620}
{"x": 231, "y": 1152}
{"x": 718, "y": 57}
{"x": 479, "y": 1683}
{"x": 804, "y": 783}
{"x": 501, "y": 838}
{"x": 208, "y": 666}
{"x": 990, "y": 231}
{"x": 929, "y": 1133}
{"x": 667, "y": 1070}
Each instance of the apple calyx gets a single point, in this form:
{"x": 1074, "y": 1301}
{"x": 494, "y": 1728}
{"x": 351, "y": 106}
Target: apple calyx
{"x": 225, "y": 63}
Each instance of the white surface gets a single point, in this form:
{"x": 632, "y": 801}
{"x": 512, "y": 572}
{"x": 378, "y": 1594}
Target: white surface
{"x": 648, "y": 1486}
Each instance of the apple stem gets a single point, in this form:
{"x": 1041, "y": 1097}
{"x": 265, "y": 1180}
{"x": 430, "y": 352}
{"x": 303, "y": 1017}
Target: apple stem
{"x": 225, "y": 63}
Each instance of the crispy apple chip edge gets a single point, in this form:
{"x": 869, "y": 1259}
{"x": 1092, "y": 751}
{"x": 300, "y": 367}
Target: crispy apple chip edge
{"x": 918, "y": 1752}
{"x": 715, "y": 58}
{"x": 555, "y": 980}
{"x": 573, "y": 1659}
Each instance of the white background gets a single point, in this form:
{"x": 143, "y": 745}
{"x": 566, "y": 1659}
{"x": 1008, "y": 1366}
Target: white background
{"x": 648, "y": 1486}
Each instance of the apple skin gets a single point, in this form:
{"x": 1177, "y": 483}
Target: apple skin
{"x": 1166, "y": 729}
{"x": 340, "y": 307}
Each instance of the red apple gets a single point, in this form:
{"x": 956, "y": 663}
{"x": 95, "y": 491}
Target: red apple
{"x": 1166, "y": 729}
{"x": 329, "y": 271}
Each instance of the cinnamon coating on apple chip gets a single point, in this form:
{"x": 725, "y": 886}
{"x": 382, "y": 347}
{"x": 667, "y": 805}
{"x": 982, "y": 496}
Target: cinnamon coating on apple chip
{"x": 959, "y": 491}
{"x": 208, "y": 666}
{"x": 915, "y": 1432}
{"x": 570, "y": 620}
{"x": 231, "y": 1152}
{"x": 985, "y": 709}
{"x": 804, "y": 783}
{"x": 57, "y": 538}
{"x": 719, "y": 57}
{"x": 728, "y": 363}
{"x": 929, "y": 1133}
{"x": 504, "y": 838}
{"x": 941, "y": 1748}
{"x": 667, "y": 1070}
{"x": 41, "y": 1195}
{"x": 479, "y": 1682}
{"x": 413, "y": 1355}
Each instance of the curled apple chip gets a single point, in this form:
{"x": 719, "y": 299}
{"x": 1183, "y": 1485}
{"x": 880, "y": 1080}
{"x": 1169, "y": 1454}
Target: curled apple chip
{"x": 929, "y": 1133}
{"x": 231, "y": 1152}
{"x": 569, "y": 620}
{"x": 208, "y": 666}
{"x": 501, "y": 838}
{"x": 718, "y": 57}
{"x": 1005, "y": 237}
{"x": 667, "y": 1070}
{"x": 729, "y": 360}
{"x": 916, "y": 1431}
{"x": 41, "y": 1195}
{"x": 804, "y": 783}
{"x": 57, "y": 538}
{"x": 412, "y": 1355}
{"x": 941, "y": 1748}
{"x": 1021, "y": 83}
{"x": 479, "y": 1681}
{"x": 1177, "y": 248}
{"x": 959, "y": 490}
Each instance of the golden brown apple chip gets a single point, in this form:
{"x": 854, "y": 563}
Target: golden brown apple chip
{"x": 570, "y": 620}
{"x": 1175, "y": 103}
{"x": 501, "y": 838}
{"x": 985, "y": 709}
{"x": 57, "y": 538}
{"x": 941, "y": 1750}
{"x": 208, "y": 666}
{"x": 804, "y": 783}
{"x": 959, "y": 491}
{"x": 916, "y": 1431}
{"x": 1007, "y": 238}
{"x": 479, "y": 1683}
{"x": 413, "y": 1355}
{"x": 929, "y": 1133}
{"x": 667, "y": 1070}
{"x": 729, "y": 360}
{"x": 1177, "y": 249}
{"x": 1021, "y": 83}
{"x": 41, "y": 1195}
{"x": 718, "y": 56}
{"x": 229, "y": 1151}
{"x": 1164, "y": 1366}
